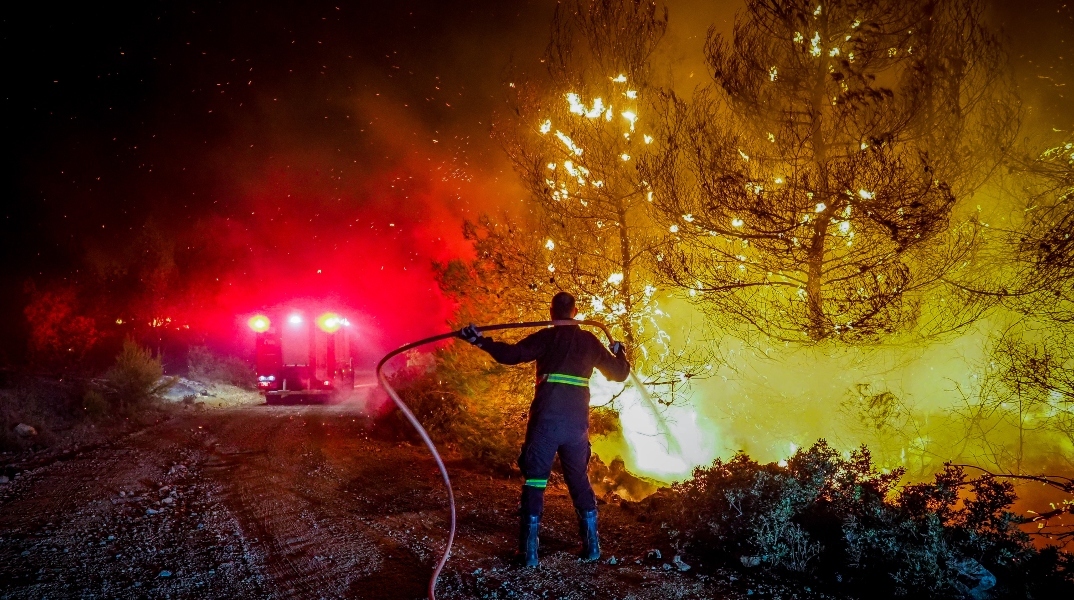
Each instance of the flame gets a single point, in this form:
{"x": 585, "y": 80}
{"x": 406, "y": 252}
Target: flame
{"x": 664, "y": 443}
{"x": 569, "y": 143}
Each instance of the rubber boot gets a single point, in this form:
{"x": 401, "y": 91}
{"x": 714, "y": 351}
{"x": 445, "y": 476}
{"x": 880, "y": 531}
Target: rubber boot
{"x": 587, "y": 529}
{"x": 528, "y": 528}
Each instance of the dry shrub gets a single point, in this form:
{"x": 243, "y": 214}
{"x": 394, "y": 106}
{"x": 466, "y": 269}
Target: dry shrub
{"x": 204, "y": 365}
{"x": 136, "y": 378}
{"x": 841, "y": 522}
{"x": 95, "y": 404}
{"x": 466, "y": 399}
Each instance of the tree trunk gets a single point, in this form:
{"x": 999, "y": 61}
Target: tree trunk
{"x": 818, "y": 322}
{"x": 627, "y": 283}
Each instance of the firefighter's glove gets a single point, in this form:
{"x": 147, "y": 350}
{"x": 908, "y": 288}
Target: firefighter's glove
{"x": 470, "y": 334}
{"x": 616, "y": 348}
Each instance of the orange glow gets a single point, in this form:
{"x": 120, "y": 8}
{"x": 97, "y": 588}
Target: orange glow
{"x": 329, "y": 322}
{"x": 259, "y": 323}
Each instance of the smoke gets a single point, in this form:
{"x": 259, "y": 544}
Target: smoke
{"x": 325, "y": 156}
{"x": 913, "y": 404}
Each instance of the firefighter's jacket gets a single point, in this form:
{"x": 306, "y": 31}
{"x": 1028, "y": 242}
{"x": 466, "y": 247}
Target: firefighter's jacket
{"x": 566, "y": 356}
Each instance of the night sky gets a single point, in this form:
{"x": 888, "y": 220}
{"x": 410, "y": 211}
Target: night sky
{"x": 325, "y": 150}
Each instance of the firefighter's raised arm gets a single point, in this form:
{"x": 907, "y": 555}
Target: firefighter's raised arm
{"x": 613, "y": 362}
{"x": 526, "y": 350}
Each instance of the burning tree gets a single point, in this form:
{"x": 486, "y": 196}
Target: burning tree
{"x": 811, "y": 191}
{"x": 60, "y": 336}
{"x": 576, "y": 137}
{"x": 1028, "y": 384}
{"x": 1045, "y": 242}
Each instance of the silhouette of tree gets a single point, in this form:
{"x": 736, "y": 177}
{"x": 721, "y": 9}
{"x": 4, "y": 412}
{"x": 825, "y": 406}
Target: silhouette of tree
{"x": 811, "y": 189}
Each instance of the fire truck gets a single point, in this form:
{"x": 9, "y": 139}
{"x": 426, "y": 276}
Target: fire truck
{"x": 301, "y": 359}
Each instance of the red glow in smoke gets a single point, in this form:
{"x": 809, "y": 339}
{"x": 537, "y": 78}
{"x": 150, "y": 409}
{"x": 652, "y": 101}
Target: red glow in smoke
{"x": 309, "y": 239}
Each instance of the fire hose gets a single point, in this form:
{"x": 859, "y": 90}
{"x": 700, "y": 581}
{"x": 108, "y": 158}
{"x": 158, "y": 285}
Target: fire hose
{"x": 425, "y": 435}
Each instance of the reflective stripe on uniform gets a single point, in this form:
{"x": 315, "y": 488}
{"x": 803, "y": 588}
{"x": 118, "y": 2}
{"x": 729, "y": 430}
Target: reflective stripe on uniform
{"x": 564, "y": 378}
{"x": 537, "y": 483}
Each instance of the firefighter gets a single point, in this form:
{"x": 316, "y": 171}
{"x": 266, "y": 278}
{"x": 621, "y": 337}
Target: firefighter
{"x": 559, "y": 417}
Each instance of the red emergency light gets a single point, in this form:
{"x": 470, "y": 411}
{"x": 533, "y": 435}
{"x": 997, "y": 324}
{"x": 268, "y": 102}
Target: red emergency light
{"x": 330, "y": 322}
{"x": 259, "y": 323}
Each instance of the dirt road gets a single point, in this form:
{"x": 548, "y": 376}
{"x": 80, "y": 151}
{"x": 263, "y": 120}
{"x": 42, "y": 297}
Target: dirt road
{"x": 299, "y": 502}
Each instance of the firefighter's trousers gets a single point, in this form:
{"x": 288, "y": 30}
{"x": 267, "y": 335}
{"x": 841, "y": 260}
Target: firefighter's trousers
{"x": 543, "y": 440}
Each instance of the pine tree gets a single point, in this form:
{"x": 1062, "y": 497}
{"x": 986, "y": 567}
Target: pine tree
{"x": 811, "y": 190}
{"x": 575, "y": 136}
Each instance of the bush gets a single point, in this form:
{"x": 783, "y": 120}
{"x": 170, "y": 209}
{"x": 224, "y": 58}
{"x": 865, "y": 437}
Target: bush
{"x": 136, "y": 377}
{"x": 203, "y": 365}
{"x": 466, "y": 399}
{"x": 436, "y": 407}
{"x": 95, "y": 404}
{"x": 839, "y": 521}
{"x": 604, "y": 420}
